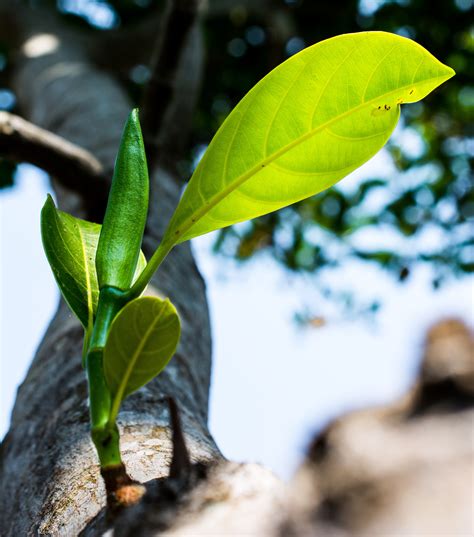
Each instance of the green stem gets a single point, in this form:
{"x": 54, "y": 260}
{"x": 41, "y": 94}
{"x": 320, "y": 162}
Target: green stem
{"x": 152, "y": 266}
{"x": 99, "y": 393}
{"x": 107, "y": 444}
{"x": 104, "y": 434}
{"x": 85, "y": 345}
{"x": 111, "y": 301}
{"x": 104, "y": 430}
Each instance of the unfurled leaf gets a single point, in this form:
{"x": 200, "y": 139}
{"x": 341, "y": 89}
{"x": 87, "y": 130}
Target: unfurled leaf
{"x": 70, "y": 245}
{"x": 306, "y": 125}
{"x": 125, "y": 217}
{"x": 142, "y": 339}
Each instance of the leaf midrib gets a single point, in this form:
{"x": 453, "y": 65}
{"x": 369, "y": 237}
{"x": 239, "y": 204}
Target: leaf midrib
{"x": 56, "y": 218}
{"x": 90, "y": 303}
{"x": 217, "y": 198}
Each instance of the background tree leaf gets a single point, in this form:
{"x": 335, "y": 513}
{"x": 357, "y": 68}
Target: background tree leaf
{"x": 142, "y": 339}
{"x": 306, "y": 125}
{"x": 70, "y": 245}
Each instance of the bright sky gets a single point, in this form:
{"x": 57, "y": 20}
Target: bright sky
{"x": 273, "y": 382}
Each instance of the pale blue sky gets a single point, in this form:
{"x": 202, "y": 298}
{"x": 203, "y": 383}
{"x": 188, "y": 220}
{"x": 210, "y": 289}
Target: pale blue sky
{"x": 273, "y": 382}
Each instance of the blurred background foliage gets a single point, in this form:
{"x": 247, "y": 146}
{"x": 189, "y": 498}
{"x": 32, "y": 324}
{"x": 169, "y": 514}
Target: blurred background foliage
{"x": 421, "y": 209}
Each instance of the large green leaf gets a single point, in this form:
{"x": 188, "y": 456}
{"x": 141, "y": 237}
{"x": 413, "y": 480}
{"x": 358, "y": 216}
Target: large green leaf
{"x": 70, "y": 245}
{"x": 306, "y": 125}
{"x": 142, "y": 339}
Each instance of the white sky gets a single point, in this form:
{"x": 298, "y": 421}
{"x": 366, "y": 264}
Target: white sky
{"x": 273, "y": 382}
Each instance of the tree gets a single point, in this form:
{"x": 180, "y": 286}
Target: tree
{"x": 56, "y": 77}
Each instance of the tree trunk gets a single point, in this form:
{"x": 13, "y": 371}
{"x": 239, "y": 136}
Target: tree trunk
{"x": 49, "y": 472}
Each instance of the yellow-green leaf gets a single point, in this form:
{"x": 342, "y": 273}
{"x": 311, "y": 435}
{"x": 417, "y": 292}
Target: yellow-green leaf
{"x": 306, "y": 125}
{"x": 142, "y": 339}
{"x": 70, "y": 245}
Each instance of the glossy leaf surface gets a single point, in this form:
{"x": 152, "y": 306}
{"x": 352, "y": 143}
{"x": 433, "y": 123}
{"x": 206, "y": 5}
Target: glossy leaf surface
{"x": 127, "y": 206}
{"x": 306, "y": 125}
{"x": 70, "y": 245}
{"x": 142, "y": 339}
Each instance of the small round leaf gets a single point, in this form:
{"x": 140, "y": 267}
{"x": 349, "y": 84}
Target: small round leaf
{"x": 142, "y": 339}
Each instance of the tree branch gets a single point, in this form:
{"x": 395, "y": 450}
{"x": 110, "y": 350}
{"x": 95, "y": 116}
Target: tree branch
{"x": 74, "y": 167}
{"x": 157, "y": 109}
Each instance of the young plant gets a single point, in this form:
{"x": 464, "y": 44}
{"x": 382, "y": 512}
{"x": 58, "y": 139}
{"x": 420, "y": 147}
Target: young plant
{"x": 306, "y": 125}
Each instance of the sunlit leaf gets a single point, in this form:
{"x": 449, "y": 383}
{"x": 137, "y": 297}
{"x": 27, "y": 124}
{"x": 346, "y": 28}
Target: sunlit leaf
{"x": 306, "y": 125}
{"x": 70, "y": 245}
{"x": 142, "y": 339}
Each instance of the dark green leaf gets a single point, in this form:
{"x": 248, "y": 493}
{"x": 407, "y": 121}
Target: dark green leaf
{"x": 125, "y": 217}
{"x": 142, "y": 339}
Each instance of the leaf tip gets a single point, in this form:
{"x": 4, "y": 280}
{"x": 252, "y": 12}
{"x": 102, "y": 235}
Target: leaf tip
{"x": 134, "y": 117}
{"x": 450, "y": 72}
{"x": 49, "y": 200}
{"x": 48, "y": 206}
{"x": 132, "y": 129}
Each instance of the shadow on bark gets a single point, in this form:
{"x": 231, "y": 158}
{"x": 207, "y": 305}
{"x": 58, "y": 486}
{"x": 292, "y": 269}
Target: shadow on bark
{"x": 156, "y": 511}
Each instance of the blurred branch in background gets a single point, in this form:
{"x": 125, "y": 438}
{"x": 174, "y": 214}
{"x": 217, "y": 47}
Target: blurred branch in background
{"x": 398, "y": 469}
{"x": 179, "y": 21}
{"x": 72, "y": 166}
